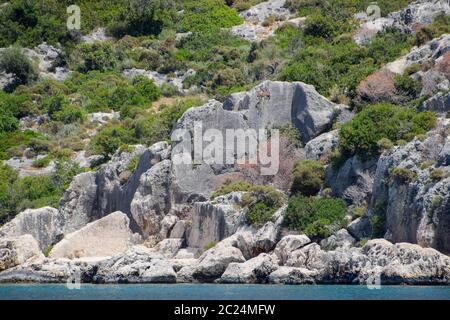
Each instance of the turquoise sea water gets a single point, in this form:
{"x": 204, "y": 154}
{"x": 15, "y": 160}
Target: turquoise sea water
{"x": 219, "y": 292}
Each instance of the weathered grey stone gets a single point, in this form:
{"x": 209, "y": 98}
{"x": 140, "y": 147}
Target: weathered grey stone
{"x": 136, "y": 267}
{"x": 414, "y": 211}
{"x": 51, "y": 271}
{"x": 341, "y": 239}
{"x": 169, "y": 247}
{"x": 406, "y": 263}
{"x": 216, "y": 220}
{"x": 254, "y": 270}
{"x": 112, "y": 232}
{"x": 292, "y": 275}
{"x": 288, "y": 244}
{"x": 167, "y": 224}
{"x": 322, "y": 145}
{"x": 213, "y": 262}
{"x": 353, "y": 180}
{"x": 179, "y": 229}
{"x": 360, "y": 228}
{"x": 444, "y": 156}
{"x": 311, "y": 257}
{"x": 43, "y": 224}
{"x": 17, "y": 250}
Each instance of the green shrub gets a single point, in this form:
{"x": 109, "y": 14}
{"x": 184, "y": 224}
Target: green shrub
{"x": 229, "y": 187}
{"x": 378, "y": 226}
{"x": 408, "y": 86}
{"x": 42, "y": 162}
{"x": 436, "y": 174}
{"x": 100, "y": 56}
{"x": 146, "y": 88}
{"x": 308, "y": 177}
{"x": 14, "y": 61}
{"x": 142, "y": 17}
{"x": 403, "y": 175}
{"x": 316, "y": 217}
{"x": 385, "y": 144}
{"x": 208, "y": 15}
{"x": 262, "y": 202}
{"x": 361, "y": 135}
{"x": 18, "y": 194}
{"x": 209, "y": 245}
{"x": 318, "y": 25}
{"x": 8, "y": 122}
{"x": 133, "y": 164}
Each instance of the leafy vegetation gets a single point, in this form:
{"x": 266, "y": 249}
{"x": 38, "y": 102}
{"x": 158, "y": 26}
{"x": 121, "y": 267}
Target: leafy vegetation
{"x": 316, "y": 217}
{"x": 309, "y": 177}
{"x": 262, "y": 202}
{"x": 14, "y": 61}
{"x": 361, "y": 135}
{"x": 17, "y": 194}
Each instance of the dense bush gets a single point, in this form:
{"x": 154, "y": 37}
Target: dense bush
{"x": 316, "y": 217}
{"x": 229, "y": 187}
{"x": 100, "y": 56}
{"x": 309, "y": 177}
{"x": 262, "y": 202}
{"x": 439, "y": 26}
{"x": 18, "y": 194}
{"x": 208, "y": 15}
{"x": 142, "y": 17}
{"x": 14, "y": 61}
{"x": 361, "y": 135}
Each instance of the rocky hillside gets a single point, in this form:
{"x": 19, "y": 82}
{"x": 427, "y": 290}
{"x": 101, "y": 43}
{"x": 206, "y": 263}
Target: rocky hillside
{"x": 94, "y": 125}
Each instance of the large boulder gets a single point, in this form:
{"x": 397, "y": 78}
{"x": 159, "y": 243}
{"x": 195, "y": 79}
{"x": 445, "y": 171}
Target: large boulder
{"x": 288, "y": 244}
{"x": 43, "y": 224}
{"x": 293, "y": 275}
{"x": 212, "y": 264}
{"x": 112, "y": 232}
{"x": 216, "y": 220}
{"x": 17, "y": 250}
{"x": 322, "y": 146}
{"x": 254, "y": 270}
{"x": 45, "y": 270}
{"x": 405, "y": 263}
{"x": 341, "y": 239}
{"x": 136, "y": 266}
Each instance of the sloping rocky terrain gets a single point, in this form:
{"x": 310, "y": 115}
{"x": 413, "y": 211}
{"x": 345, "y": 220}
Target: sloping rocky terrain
{"x": 361, "y": 191}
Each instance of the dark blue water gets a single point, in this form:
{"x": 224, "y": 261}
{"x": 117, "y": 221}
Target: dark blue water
{"x": 219, "y": 292}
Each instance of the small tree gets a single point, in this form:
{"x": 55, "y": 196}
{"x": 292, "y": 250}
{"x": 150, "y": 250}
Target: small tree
{"x": 14, "y": 61}
{"x": 309, "y": 176}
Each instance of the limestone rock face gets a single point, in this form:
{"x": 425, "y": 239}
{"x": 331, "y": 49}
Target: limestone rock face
{"x": 94, "y": 195}
{"x": 17, "y": 250}
{"x": 295, "y": 103}
{"x": 213, "y": 262}
{"x": 51, "y": 271}
{"x": 215, "y": 221}
{"x": 341, "y": 239}
{"x": 43, "y": 224}
{"x": 108, "y": 236}
{"x": 152, "y": 199}
{"x": 292, "y": 275}
{"x": 135, "y": 267}
{"x": 254, "y": 270}
{"x": 169, "y": 247}
{"x": 408, "y": 262}
{"x": 414, "y": 210}
{"x": 311, "y": 257}
{"x": 360, "y": 228}
{"x": 288, "y": 244}
{"x": 408, "y": 19}
{"x": 322, "y": 145}
{"x": 352, "y": 181}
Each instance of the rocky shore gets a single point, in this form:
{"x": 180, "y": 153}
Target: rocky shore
{"x": 158, "y": 223}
